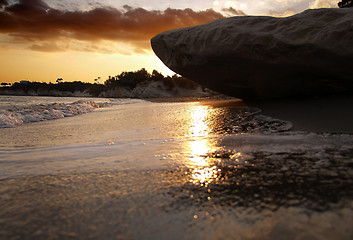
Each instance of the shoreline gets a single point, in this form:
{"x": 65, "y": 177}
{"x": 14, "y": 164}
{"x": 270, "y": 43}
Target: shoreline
{"x": 324, "y": 114}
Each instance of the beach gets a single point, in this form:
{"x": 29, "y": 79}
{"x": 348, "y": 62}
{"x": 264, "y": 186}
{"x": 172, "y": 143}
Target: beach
{"x": 136, "y": 169}
{"x": 331, "y": 113}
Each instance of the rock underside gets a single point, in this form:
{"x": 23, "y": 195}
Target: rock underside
{"x": 258, "y": 57}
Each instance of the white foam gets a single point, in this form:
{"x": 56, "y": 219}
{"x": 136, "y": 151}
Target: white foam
{"x": 16, "y": 116}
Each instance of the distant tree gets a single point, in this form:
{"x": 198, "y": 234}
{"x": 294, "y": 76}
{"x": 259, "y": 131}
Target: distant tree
{"x": 98, "y": 80}
{"x": 125, "y": 79}
{"x": 168, "y": 83}
{"x": 345, "y": 3}
{"x": 157, "y": 76}
{"x": 110, "y": 83}
{"x": 96, "y": 89}
{"x": 128, "y": 79}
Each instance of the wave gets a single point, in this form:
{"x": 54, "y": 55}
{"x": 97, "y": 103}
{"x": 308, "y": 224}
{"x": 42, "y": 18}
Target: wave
{"x": 16, "y": 116}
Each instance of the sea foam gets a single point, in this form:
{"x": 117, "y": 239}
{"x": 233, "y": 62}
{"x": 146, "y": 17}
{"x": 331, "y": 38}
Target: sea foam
{"x": 16, "y": 116}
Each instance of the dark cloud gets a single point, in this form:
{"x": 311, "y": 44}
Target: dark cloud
{"x": 3, "y": 3}
{"x": 34, "y": 20}
{"x": 27, "y": 7}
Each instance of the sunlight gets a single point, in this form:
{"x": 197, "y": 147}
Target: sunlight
{"x": 199, "y": 129}
{"x": 199, "y": 125}
{"x": 199, "y": 161}
{"x": 204, "y": 175}
{"x": 205, "y": 156}
{"x": 200, "y": 147}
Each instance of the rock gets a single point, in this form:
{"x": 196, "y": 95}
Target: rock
{"x": 258, "y": 57}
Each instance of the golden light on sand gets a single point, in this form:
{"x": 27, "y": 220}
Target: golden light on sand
{"x": 199, "y": 125}
{"x": 204, "y": 175}
{"x": 205, "y": 155}
{"x": 200, "y": 146}
{"x": 202, "y": 171}
{"x": 199, "y": 128}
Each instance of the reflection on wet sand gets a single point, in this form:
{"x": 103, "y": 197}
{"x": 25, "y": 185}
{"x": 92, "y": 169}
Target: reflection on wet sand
{"x": 199, "y": 126}
{"x": 270, "y": 181}
{"x": 258, "y": 180}
{"x": 216, "y": 192}
{"x": 200, "y": 145}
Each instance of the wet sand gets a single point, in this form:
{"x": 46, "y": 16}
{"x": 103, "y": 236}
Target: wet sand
{"x": 333, "y": 114}
{"x": 322, "y": 114}
{"x": 214, "y": 173}
{"x": 262, "y": 200}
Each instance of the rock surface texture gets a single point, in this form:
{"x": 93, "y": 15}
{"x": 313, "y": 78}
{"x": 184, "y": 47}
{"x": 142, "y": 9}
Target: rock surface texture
{"x": 258, "y": 57}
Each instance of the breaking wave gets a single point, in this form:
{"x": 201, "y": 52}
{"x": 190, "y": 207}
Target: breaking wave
{"x": 16, "y": 116}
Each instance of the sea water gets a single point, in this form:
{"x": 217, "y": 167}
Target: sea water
{"x": 79, "y": 168}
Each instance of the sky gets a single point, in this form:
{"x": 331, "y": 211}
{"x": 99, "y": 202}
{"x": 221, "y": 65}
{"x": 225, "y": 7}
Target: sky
{"x": 81, "y": 40}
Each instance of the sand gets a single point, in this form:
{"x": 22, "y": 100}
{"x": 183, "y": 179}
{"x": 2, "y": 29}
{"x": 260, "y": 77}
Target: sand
{"x": 333, "y": 114}
{"x": 320, "y": 114}
{"x": 174, "y": 171}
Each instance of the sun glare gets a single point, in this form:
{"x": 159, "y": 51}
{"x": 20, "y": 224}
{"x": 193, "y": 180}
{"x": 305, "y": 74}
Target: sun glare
{"x": 205, "y": 156}
{"x": 199, "y": 125}
{"x": 200, "y": 146}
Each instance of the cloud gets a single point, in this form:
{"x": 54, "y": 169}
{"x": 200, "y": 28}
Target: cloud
{"x": 46, "y": 47}
{"x": 35, "y": 22}
{"x": 290, "y": 7}
{"x": 324, "y": 4}
{"x": 3, "y": 3}
{"x": 282, "y": 12}
{"x": 233, "y": 12}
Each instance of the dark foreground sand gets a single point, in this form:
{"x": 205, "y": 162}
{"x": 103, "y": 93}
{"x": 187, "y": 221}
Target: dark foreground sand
{"x": 333, "y": 114}
{"x": 272, "y": 197}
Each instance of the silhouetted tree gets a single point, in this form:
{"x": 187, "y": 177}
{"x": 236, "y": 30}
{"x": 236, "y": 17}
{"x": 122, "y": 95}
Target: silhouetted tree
{"x": 345, "y": 3}
{"x": 157, "y": 76}
{"x": 168, "y": 83}
{"x": 96, "y": 89}
{"x": 129, "y": 79}
{"x": 125, "y": 79}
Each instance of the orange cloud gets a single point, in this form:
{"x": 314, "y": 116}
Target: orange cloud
{"x": 33, "y": 21}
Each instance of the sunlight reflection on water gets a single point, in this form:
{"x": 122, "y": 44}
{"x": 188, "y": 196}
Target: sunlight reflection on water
{"x": 199, "y": 125}
{"x": 223, "y": 178}
{"x": 202, "y": 146}
{"x": 225, "y": 173}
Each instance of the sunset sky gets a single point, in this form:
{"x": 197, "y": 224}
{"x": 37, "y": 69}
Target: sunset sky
{"x": 42, "y": 40}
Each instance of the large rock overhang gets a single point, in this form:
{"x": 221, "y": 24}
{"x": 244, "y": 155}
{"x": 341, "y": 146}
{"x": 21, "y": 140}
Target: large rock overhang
{"x": 253, "y": 57}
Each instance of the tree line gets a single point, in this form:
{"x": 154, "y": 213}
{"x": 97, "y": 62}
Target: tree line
{"x": 132, "y": 79}
{"x": 125, "y": 79}
{"x": 345, "y": 3}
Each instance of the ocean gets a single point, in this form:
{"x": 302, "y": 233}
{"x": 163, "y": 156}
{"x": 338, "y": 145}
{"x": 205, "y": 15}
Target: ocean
{"x": 96, "y": 168}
